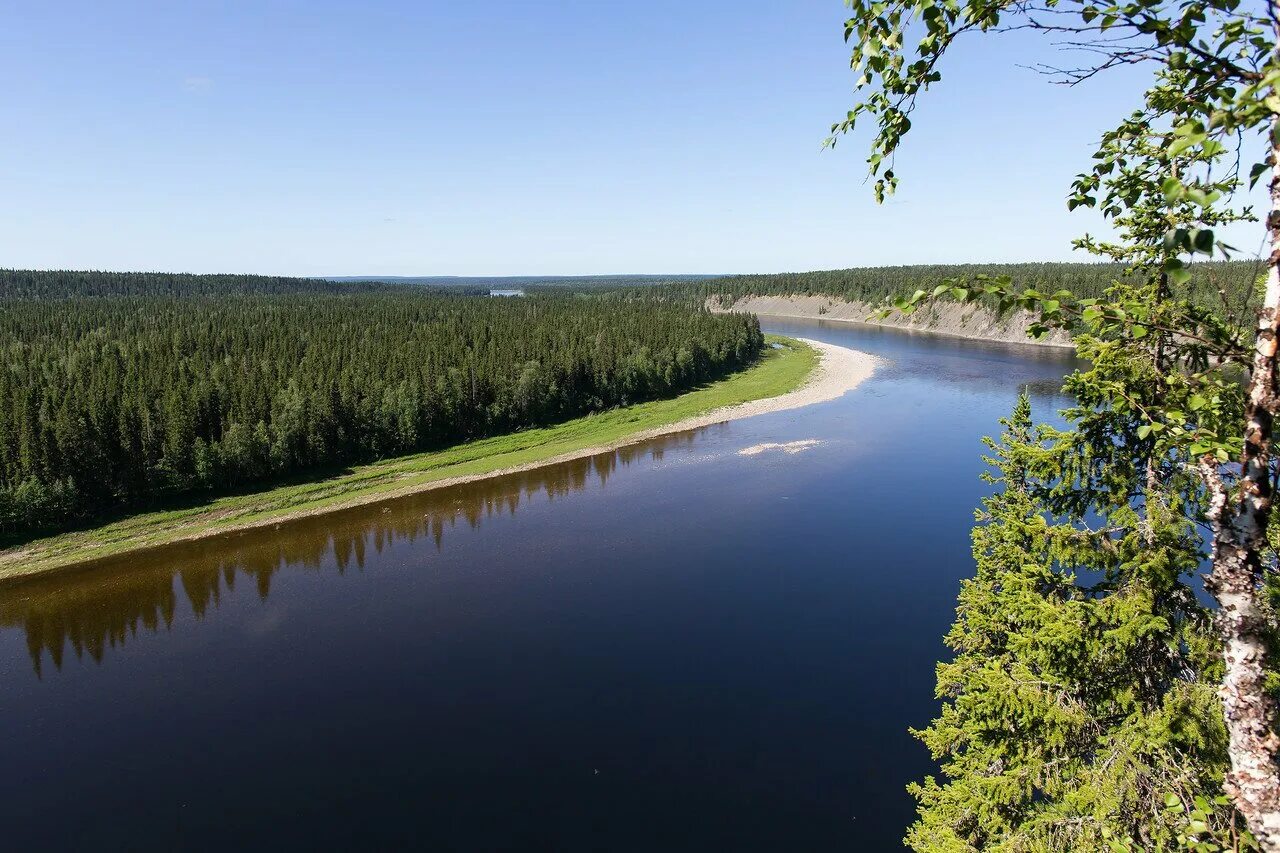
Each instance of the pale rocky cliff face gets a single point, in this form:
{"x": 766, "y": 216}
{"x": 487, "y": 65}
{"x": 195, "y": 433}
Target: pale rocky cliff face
{"x": 950, "y": 318}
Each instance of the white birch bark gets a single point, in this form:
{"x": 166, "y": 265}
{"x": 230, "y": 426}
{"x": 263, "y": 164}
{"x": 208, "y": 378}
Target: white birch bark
{"x": 1240, "y": 528}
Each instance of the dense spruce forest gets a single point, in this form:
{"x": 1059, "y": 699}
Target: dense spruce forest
{"x": 67, "y": 284}
{"x": 118, "y": 391}
{"x": 63, "y": 284}
{"x": 535, "y": 282}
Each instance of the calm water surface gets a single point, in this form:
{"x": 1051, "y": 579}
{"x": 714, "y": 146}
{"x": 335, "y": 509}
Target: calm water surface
{"x": 672, "y": 647}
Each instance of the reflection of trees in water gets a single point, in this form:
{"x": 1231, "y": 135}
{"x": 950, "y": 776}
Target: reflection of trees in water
{"x": 105, "y": 604}
{"x": 1048, "y": 393}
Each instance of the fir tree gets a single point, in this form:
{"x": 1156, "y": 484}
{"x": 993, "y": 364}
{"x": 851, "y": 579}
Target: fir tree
{"x": 1082, "y": 689}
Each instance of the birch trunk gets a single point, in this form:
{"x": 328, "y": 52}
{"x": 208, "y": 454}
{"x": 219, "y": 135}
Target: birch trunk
{"x": 1240, "y": 529}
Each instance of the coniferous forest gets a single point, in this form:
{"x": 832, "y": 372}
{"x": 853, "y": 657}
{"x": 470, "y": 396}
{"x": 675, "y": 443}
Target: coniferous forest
{"x": 121, "y": 390}
{"x": 1227, "y": 286}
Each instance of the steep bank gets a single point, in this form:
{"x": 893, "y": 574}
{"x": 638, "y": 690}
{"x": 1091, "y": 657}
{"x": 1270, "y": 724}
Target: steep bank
{"x": 800, "y": 374}
{"x": 945, "y": 318}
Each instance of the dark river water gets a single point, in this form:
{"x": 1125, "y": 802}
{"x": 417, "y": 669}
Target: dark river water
{"x": 671, "y": 647}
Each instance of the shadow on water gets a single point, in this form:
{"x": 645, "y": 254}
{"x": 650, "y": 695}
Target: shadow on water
{"x": 101, "y": 605}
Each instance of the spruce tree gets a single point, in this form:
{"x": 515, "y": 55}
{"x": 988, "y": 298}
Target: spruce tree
{"x": 1081, "y": 694}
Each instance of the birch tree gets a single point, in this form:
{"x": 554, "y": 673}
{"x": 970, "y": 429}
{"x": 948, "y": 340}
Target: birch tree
{"x": 1167, "y": 178}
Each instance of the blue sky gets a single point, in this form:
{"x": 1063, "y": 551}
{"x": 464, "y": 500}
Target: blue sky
{"x": 503, "y": 138}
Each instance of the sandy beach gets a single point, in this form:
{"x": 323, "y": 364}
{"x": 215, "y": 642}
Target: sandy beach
{"x": 840, "y": 371}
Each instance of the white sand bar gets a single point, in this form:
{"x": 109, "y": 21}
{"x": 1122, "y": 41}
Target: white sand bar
{"x": 839, "y": 371}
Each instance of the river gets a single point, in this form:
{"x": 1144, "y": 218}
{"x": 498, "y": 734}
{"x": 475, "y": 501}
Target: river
{"x": 676, "y": 646}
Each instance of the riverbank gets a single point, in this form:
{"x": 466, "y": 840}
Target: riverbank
{"x": 941, "y": 318}
{"x": 801, "y": 373}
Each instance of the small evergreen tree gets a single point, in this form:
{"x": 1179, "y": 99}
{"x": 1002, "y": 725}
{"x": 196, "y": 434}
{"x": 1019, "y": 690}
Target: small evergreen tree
{"x": 1082, "y": 688}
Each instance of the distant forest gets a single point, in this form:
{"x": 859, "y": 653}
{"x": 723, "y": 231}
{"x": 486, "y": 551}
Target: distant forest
{"x": 570, "y": 282}
{"x": 873, "y": 285}
{"x": 121, "y": 390}
{"x": 64, "y": 284}
{"x": 67, "y": 284}
{"x": 1215, "y": 281}
{"x": 118, "y": 391}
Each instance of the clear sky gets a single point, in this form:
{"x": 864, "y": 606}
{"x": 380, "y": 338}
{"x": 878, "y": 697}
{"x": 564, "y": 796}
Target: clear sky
{"x": 449, "y": 137}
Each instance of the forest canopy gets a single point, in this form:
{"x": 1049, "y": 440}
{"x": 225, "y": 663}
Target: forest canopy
{"x": 1225, "y": 285}
{"x": 117, "y": 400}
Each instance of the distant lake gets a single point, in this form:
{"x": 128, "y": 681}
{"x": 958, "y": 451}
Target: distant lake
{"x": 672, "y": 647}
{"x": 506, "y": 293}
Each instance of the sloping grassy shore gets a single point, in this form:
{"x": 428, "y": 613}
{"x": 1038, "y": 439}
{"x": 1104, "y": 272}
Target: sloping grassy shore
{"x": 778, "y": 372}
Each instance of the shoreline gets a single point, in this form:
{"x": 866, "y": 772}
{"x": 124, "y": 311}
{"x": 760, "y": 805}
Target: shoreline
{"x": 950, "y": 320}
{"x": 963, "y": 336}
{"x": 838, "y": 371}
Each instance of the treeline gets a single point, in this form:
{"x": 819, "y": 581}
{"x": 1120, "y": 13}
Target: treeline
{"x": 1211, "y": 283}
{"x": 115, "y": 403}
{"x": 66, "y": 284}
{"x": 531, "y": 282}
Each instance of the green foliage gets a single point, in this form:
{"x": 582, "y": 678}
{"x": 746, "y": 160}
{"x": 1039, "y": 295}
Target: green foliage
{"x": 1083, "y": 690}
{"x": 1083, "y": 683}
{"x": 62, "y": 284}
{"x": 778, "y": 371}
{"x": 1216, "y": 55}
{"x": 113, "y": 403}
{"x": 1197, "y": 828}
{"x": 1210, "y": 284}
{"x": 65, "y": 284}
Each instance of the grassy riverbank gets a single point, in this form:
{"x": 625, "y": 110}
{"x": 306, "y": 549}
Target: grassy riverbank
{"x": 778, "y": 372}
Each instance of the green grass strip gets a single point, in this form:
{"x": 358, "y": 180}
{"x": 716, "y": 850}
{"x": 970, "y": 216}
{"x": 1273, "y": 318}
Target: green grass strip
{"x": 777, "y": 372}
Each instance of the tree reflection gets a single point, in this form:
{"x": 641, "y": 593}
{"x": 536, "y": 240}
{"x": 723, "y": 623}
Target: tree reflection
{"x": 104, "y": 604}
